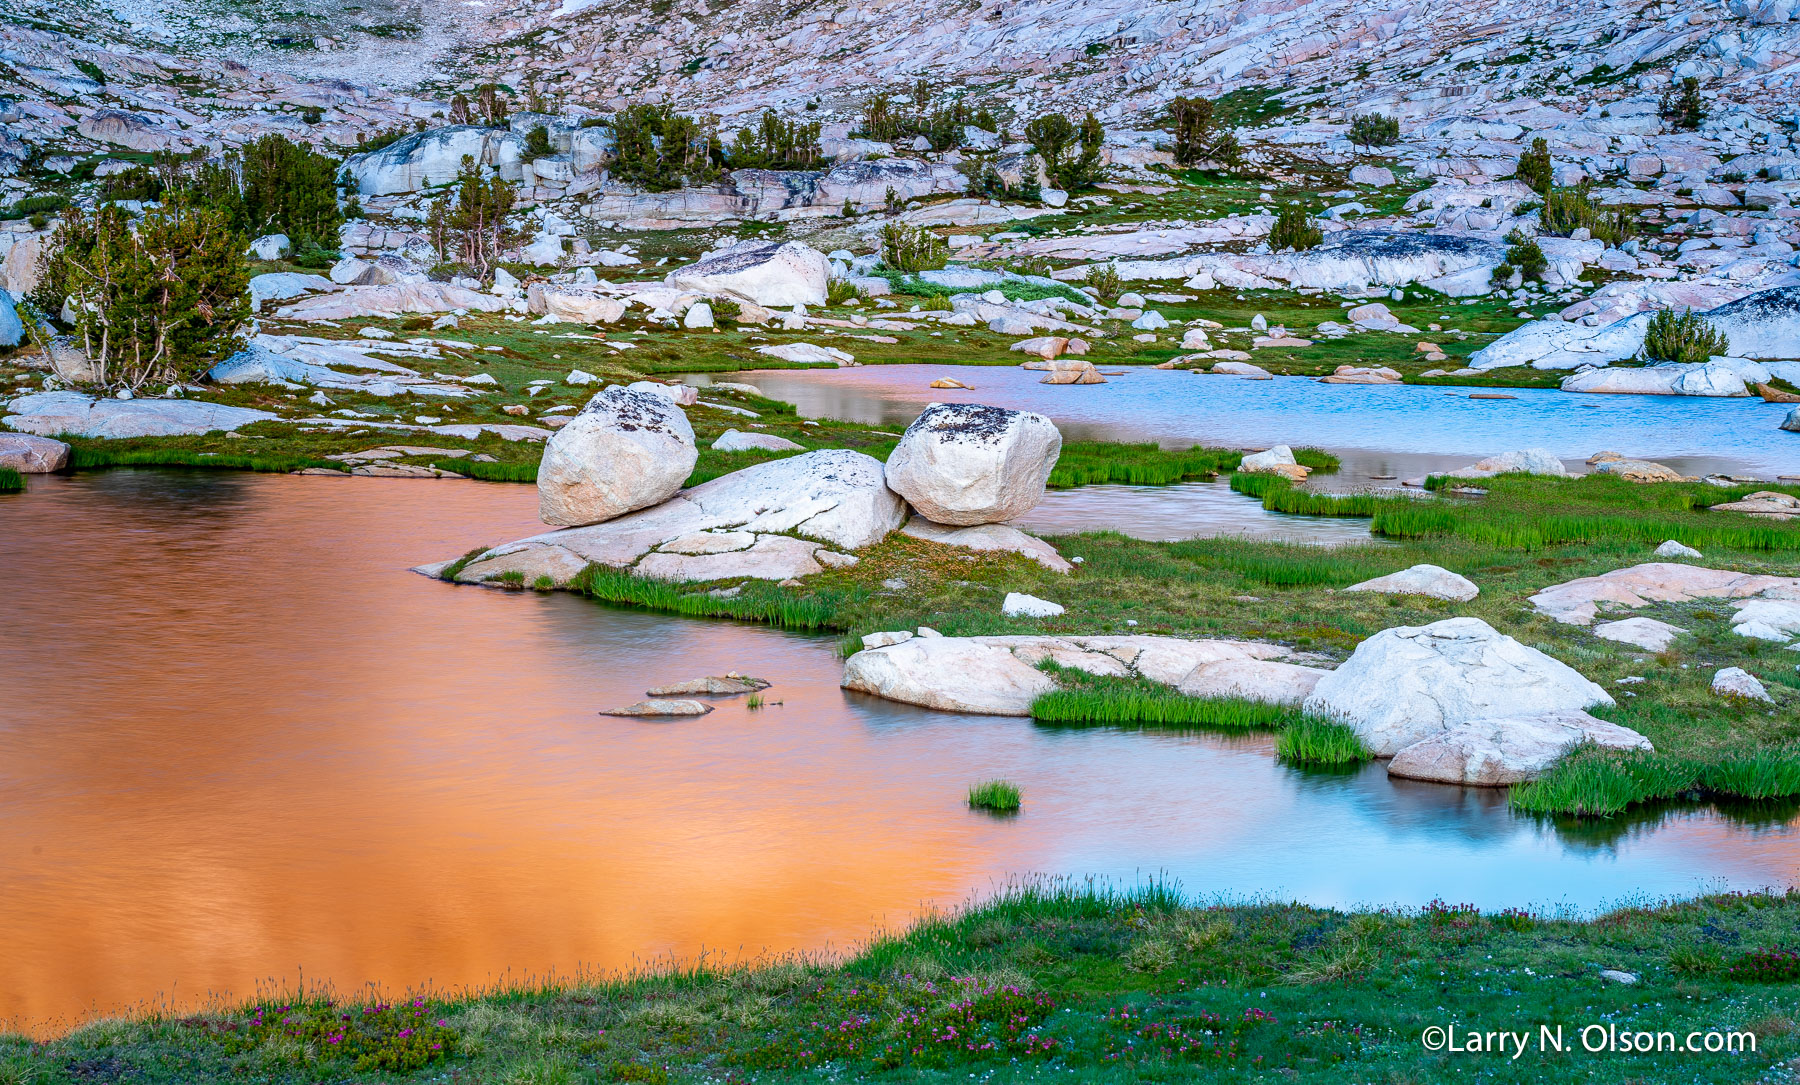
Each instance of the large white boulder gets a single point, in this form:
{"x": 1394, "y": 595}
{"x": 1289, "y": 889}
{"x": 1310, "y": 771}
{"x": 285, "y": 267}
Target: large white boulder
{"x": 270, "y": 247}
{"x": 282, "y": 285}
{"x": 1267, "y": 680}
{"x": 624, "y": 451}
{"x": 953, "y": 674}
{"x": 32, "y": 455}
{"x": 768, "y": 274}
{"x": 575, "y": 304}
{"x": 969, "y": 463}
{"x": 433, "y": 157}
{"x": 47, "y": 413}
{"x": 1408, "y": 683}
{"x": 1507, "y": 750}
{"x": 12, "y": 329}
{"x": 1429, "y": 580}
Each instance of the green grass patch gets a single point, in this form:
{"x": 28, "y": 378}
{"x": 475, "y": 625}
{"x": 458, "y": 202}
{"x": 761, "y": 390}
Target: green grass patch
{"x": 1084, "y": 463}
{"x": 11, "y": 482}
{"x": 502, "y": 471}
{"x": 1309, "y": 740}
{"x": 997, "y": 796}
{"x": 84, "y": 457}
{"x": 755, "y": 601}
{"x": 1109, "y": 701}
{"x": 1593, "y": 783}
{"x": 1279, "y": 494}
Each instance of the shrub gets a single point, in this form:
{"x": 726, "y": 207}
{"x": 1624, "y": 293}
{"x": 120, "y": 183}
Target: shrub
{"x": 1685, "y": 338}
{"x": 1534, "y": 167}
{"x": 1294, "y": 229}
{"x": 1765, "y": 966}
{"x": 34, "y": 205}
{"x": 1568, "y": 209}
{"x": 940, "y": 124}
{"x": 1198, "y": 137}
{"x": 1374, "y": 130}
{"x": 162, "y": 302}
{"x": 1682, "y": 106}
{"x": 1070, "y": 152}
{"x": 469, "y": 226}
{"x": 1104, "y": 278}
{"x": 537, "y": 143}
{"x": 912, "y": 249}
{"x": 1524, "y": 256}
{"x": 777, "y": 145}
{"x": 842, "y": 291}
{"x": 996, "y": 795}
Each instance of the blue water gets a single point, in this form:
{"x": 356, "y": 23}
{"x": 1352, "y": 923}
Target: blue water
{"x": 1400, "y": 430}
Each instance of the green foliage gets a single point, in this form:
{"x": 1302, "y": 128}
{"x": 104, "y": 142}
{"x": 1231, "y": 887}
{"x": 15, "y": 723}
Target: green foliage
{"x": 986, "y": 181}
{"x": 1684, "y": 338}
{"x": 163, "y": 302}
{"x": 843, "y": 292}
{"x": 34, "y": 205}
{"x": 1201, "y": 137}
{"x": 1294, "y": 229}
{"x": 940, "y": 123}
{"x": 1682, "y": 105}
{"x": 1070, "y": 152}
{"x": 1524, "y": 256}
{"x": 659, "y": 150}
{"x": 1534, "y": 169}
{"x": 137, "y": 183}
{"x": 759, "y": 601}
{"x": 1090, "y": 699}
{"x": 1310, "y": 740}
{"x": 11, "y": 482}
{"x": 1765, "y": 966}
{"x": 996, "y": 795}
{"x": 271, "y": 185}
{"x": 537, "y": 143}
{"x": 468, "y": 225}
{"x": 97, "y": 454}
{"x": 90, "y": 69}
{"x": 1104, "y": 278}
{"x": 1568, "y": 209}
{"x": 912, "y": 249}
{"x": 362, "y": 1039}
{"x": 777, "y": 144}
{"x": 1374, "y": 130}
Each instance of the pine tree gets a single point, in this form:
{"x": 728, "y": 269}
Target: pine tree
{"x": 1534, "y": 167}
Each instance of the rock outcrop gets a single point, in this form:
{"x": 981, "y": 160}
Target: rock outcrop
{"x": 1578, "y": 601}
{"x": 32, "y": 455}
{"x": 433, "y": 157}
{"x": 968, "y": 463}
{"x": 47, "y": 413}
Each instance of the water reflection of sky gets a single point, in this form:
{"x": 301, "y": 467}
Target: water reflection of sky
{"x": 1393, "y": 430}
{"x": 241, "y": 740}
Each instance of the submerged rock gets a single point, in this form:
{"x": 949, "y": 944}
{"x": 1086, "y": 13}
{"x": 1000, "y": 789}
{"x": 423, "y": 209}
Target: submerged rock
{"x": 661, "y": 708}
{"x": 1409, "y": 683}
{"x": 711, "y": 685}
{"x": 968, "y": 463}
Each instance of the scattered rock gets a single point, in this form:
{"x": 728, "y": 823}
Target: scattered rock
{"x": 738, "y": 441}
{"x": 1738, "y": 683}
{"x": 625, "y": 450}
{"x": 574, "y": 304}
{"x": 1275, "y": 461}
{"x": 1764, "y": 505}
{"x": 1438, "y": 583}
{"x": 968, "y": 463}
{"x": 1530, "y": 461}
{"x": 1020, "y": 605}
{"x": 1640, "y": 471}
{"x": 1643, "y": 632}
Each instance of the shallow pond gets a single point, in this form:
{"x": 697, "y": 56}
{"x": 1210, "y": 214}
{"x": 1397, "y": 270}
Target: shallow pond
{"x": 1393, "y": 430}
{"x": 241, "y": 742}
